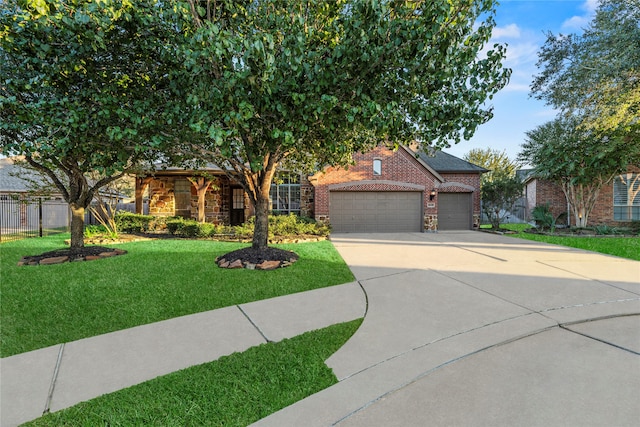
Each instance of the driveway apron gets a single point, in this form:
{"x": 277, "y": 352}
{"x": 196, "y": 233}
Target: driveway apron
{"x": 471, "y": 328}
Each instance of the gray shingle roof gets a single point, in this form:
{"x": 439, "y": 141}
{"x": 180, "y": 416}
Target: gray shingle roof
{"x": 10, "y": 180}
{"x": 446, "y": 163}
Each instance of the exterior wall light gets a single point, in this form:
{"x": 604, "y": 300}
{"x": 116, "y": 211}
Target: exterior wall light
{"x": 432, "y": 195}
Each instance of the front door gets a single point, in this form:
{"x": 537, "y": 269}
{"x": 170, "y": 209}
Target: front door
{"x": 236, "y": 216}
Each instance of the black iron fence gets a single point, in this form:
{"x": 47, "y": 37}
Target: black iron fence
{"x": 33, "y": 217}
{"x": 38, "y": 217}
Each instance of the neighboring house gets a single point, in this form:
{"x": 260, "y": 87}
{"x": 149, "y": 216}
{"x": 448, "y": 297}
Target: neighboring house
{"x": 384, "y": 191}
{"x": 18, "y": 182}
{"x": 618, "y": 201}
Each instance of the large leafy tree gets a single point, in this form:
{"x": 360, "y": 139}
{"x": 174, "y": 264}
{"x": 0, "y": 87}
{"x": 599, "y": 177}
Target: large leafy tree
{"x": 579, "y": 159}
{"x": 83, "y": 90}
{"x": 497, "y": 162}
{"x": 596, "y": 75}
{"x": 275, "y": 83}
{"x": 499, "y": 197}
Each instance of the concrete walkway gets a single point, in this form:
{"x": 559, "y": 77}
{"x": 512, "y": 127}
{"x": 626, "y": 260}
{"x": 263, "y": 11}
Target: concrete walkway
{"x": 60, "y": 376}
{"x": 461, "y": 328}
{"x": 475, "y": 329}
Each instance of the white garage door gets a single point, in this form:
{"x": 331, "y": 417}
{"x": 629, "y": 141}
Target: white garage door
{"x": 375, "y": 211}
{"x": 454, "y": 211}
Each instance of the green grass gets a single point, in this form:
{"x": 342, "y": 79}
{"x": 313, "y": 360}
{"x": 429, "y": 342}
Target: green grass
{"x": 156, "y": 280}
{"x": 625, "y": 247}
{"x": 235, "y": 390}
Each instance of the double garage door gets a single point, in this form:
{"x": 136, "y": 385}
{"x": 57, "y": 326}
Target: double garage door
{"x": 375, "y": 211}
{"x": 389, "y": 211}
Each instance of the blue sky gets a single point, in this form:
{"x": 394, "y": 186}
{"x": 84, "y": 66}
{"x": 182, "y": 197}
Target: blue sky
{"x": 522, "y": 25}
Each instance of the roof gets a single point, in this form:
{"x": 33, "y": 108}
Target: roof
{"x": 446, "y": 163}
{"x": 10, "y": 172}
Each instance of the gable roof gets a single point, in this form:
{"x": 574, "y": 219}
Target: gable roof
{"x": 446, "y": 163}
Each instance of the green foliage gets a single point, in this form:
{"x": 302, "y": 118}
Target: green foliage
{"x": 235, "y": 390}
{"x": 596, "y": 73}
{"x": 303, "y": 84}
{"x": 499, "y": 197}
{"x": 98, "y": 231}
{"x": 578, "y": 159}
{"x": 497, "y": 162}
{"x": 544, "y": 218}
{"x": 155, "y": 280}
{"x": 128, "y": 222}
{"x": 606, "y": 230}
{"x": 625, "y": 247}
{"x": 280, "y": 226}
{"x": 94, "y": 104}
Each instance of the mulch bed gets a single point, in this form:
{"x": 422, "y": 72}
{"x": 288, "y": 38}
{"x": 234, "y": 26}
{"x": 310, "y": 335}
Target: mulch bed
{"x": 59, "y": 256}
{"x": 257, "y": 259}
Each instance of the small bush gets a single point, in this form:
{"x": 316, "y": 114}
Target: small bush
{"x": 604, "y": 229}
{"x": 128, "y": 222}
{"x": 279, "y": 226}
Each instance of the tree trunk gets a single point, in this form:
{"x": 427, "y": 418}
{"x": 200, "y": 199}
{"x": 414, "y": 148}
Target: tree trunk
{"x": 261, "y": 230}
{"x": 77, "y": 226}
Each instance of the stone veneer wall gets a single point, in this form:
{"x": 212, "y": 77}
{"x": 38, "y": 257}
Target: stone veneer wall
{"x": 306, "y": 197}
{"x": 217, "y": 199}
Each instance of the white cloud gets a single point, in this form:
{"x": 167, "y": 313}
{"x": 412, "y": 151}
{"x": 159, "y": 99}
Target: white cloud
{"x": 579, "y": 22}
{"x": 510, "y": 31}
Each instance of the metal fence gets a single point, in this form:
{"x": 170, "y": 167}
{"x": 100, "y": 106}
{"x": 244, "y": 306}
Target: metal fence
{"x": 38, "y": 217}
{"x": 20, "y": 218}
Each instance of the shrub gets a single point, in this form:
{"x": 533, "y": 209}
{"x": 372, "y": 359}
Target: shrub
{"x": 134, "y": 223}
{"x": 279, "y": 226}
{"x": 543, "y": 217}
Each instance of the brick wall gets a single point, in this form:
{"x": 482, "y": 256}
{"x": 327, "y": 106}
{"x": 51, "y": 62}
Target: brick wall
{"x": 542, "y": 191}
{"x": 398, "y": 168}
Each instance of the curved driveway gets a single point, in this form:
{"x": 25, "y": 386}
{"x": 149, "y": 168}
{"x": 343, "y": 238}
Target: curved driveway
{"x": 470, "y": 328}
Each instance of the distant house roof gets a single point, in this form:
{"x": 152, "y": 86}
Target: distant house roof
{"x": 446, "y": 163}
{"x": 10, "y": 172}
{"x": 525, "y": 174}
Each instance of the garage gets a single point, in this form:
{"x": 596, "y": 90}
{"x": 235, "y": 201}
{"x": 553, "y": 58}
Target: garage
{"x": 454, "y": 211}
{"x": 375, "y": 211}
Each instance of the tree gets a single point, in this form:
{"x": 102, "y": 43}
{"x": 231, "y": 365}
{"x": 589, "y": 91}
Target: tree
{"x": 497, "y": 162}
{"x": 596, "y": 75}
{"x": 577, "y": 158}
{"x": 83, "y": 89}
{"x": 298, "y": 85}
{"x": 499, "y": 196}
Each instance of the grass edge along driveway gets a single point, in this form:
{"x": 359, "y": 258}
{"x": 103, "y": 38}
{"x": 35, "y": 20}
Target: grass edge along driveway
{"x": 156, "y": 280}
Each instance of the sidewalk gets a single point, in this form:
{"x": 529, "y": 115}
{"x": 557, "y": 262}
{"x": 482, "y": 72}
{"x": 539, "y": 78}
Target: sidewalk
{"x": 60, "y": 376}
{"x": 461, "y": 328}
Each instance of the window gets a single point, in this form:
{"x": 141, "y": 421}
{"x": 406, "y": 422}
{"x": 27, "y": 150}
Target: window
{"x": 285, "y": 194}
{"x": 626, "y": 197}
{"x": 377, "y": 167}
{"x": 237, "y": 198}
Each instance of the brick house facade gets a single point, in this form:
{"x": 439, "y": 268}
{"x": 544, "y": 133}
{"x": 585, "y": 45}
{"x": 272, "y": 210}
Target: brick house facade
{"x": 402, "y": 171}
{"x": 174, "y": 191}
{"x": 609, "y": 208}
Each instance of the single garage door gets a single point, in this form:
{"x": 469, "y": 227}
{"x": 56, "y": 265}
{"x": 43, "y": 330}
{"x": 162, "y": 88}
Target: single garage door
{"x": 375, "y": 211}
{"x": 454, "y": 211}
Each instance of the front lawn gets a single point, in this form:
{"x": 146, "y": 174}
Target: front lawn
{"x": 625, "y": 247}
{"x": 156, "y": 280}
{"x": 235, "y": 390}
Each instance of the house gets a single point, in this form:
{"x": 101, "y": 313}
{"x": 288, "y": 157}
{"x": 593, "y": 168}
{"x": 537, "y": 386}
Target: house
{"x": 383, "y": 191}
{"x": 618, "y": 201}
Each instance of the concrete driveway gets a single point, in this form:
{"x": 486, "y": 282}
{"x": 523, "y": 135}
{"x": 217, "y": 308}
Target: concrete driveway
{"x": 476, "y": 329}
